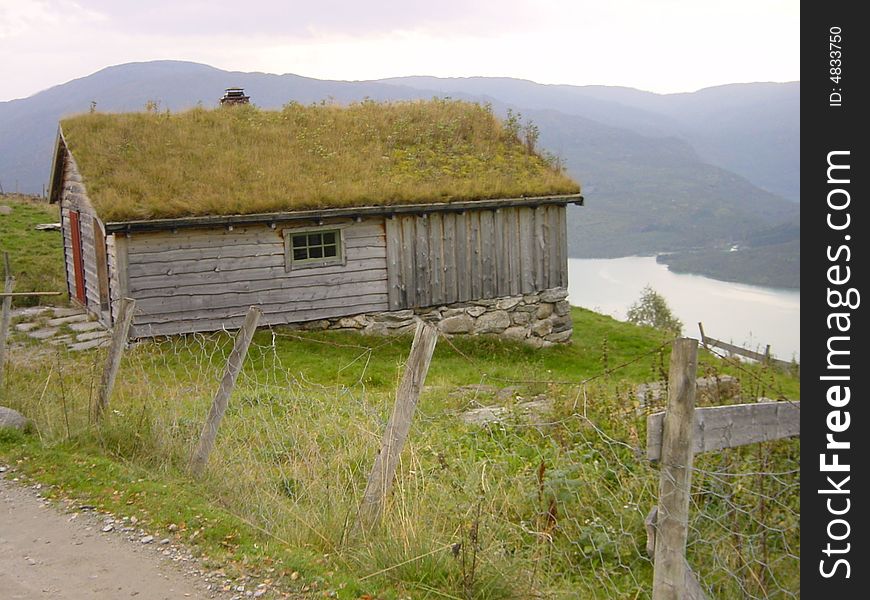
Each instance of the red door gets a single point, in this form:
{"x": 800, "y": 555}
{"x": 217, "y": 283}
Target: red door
{"x": 78, "y": 263}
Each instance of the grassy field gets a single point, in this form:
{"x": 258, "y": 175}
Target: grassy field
{"x": 243, "y": 160}
{"x": 36, "y": 256}
{"x": 547, "y": 505}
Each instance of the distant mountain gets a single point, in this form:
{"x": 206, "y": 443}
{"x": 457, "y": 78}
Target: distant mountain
{"x": 683, "y": 173}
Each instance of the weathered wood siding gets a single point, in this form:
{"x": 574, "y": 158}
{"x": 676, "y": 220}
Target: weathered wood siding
{"x": 442, "y": 258}
{"x": 205, "y": 279}
{"x": 74, "y": 197}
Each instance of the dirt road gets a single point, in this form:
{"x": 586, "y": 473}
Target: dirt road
{"x": 46, "y": 554}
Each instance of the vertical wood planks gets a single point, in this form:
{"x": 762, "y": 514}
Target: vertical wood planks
{"x": 449, "y": 247}
{"x": 672, "y": 526}
{"x": 488, "y": 251}
{"x": 436, "y": 259}
{"x": 394, "y": 263}
{"x": 442, "y": 258}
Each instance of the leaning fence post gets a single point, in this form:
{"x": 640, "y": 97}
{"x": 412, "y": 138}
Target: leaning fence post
{"x": 396, "y": 432}
{"x": 119, "y": 341}
{"x": 222, "y": 397}
{"x": 672, "y": 521}
{"x": 6, "y": 313}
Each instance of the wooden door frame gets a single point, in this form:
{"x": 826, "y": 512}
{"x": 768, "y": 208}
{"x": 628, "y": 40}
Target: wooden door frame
{"x": 75, "y": 227}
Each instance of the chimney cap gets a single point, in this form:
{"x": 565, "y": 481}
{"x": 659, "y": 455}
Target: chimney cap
{"x": 235, "y": 95}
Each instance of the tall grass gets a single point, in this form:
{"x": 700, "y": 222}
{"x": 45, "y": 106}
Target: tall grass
{"x": 239, "y": 160}
{"x": 518, "y": 509}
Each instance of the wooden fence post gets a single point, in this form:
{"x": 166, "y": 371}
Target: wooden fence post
{"x": 669, "y": 577}
{"x": 116, "y": 350}
{"x": 396, "y": 432}
{"x": 221, "y": 399}
{"x": 6, "y": 316}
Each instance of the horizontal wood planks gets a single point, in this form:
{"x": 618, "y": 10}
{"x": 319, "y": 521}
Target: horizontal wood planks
{"x": 718, "y": 427}
{"x": 455, "y": 257}
{"x": 202, "y": 280}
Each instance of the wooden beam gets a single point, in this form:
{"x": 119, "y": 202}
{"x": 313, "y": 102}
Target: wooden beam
{"x": 718, "y": 427}
{"x": 669, "y": 576}
{"x": 120, "y": 334}
{"x": 6, "y": 311}
{"x": 350, "y": 211}
{"x": 396, "y": 432}
{"x": 222, "y": 398}
{"x": 23, "y": 294}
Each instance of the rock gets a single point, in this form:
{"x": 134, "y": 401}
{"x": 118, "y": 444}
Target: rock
{"x": 520, "y": 318}
{"x": 554, "y": 295}
{"x": 475, "y": 311}
{"x": 12, "y": 419}
{"x": 515, "y": 333}
{"x": 492, "y": 322}
{"x": 560, "y": 337}
{"x": 542, "y": 328}
{"x": 42, "y": 334}
{"x": 375, "y": 329}
{"x": 487, "y": 303}
{"x": 164, "y": 541}
{"x": 401, "y": 325}
{"x": 47, "y": 227}
{"x": 461, "y": 323}
{"x": 67, "y": 320}
{"x": 86, "y": 326}
{"x": 545, "y": 309}
{"x": 430, "y": 316}
{"x": 507, "y": 303}
{"x": 508, "y": 393}
{"x": 107, "y": 528}
{"x": 5, "y": 210}
{"x": 531, "y": 411}
{"x": 93, "y": 335}
{"x": 396, "y": 315}
{"x": 531, "y": 298}
{"x": 25, "y": 327}
{"x": 66, "y": 312}
{"x": 90, "y": 344}
{"x": 562, "y": 308}
{"x": 147, "y": 539}
{"x": 316, "y": 325}
{"x": 61, "y": 341}
{"x": 536, "y": 342}
{"x": 357, "y": 322}
{"x": 30, "y": 311}
{"x": 452, "y": 312}
{"x": 561, "y": 324}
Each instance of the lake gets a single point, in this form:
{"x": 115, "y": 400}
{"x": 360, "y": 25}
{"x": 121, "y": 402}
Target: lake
{"x": 747, "y": 315}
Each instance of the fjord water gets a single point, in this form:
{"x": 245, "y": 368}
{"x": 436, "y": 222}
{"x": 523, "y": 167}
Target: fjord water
{"x": 747, "y": 315}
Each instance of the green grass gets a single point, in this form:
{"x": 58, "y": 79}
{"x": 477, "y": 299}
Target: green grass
{"x": 550, "y": 510}
{"x": 243, "y": 160}
{"x": 36, "y": 256}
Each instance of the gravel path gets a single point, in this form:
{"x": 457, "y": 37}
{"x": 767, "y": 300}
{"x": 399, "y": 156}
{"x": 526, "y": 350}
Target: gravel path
{"x": 47, "y": 554}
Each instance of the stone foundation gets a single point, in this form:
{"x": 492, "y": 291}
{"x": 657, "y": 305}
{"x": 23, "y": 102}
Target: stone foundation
{"x": 540, "y": 319}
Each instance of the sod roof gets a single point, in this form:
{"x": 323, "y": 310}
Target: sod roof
{"x": 242, "y": 160}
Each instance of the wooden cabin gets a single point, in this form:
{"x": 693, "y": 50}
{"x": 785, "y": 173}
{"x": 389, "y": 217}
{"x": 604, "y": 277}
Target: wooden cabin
{"x": 428, "y": 210}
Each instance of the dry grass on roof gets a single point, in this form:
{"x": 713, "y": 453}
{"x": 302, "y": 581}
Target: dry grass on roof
{"x": 242, "y": 160}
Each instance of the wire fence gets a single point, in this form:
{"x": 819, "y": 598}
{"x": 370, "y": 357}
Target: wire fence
{"x": 531, "y": 486}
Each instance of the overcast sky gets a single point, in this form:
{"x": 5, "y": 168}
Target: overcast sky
{"x": 658, "y": 45}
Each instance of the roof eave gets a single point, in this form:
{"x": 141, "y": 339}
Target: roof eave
{"x": 327, "y": 213}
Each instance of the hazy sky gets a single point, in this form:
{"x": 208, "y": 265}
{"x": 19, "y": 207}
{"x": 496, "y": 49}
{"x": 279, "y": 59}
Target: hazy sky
{"x": 657, "y": 45}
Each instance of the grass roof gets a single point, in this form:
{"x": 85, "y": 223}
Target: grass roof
{"x": 243, "y": 160}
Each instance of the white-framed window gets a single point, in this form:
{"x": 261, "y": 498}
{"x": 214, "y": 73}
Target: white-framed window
{"x": 313, "y": 247}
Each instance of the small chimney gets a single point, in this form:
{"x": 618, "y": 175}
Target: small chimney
{"x": 234, "y": 96}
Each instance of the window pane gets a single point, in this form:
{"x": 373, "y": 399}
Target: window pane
{"x": 316, "y": 252}
{"x": 314, "y": 239}
{"x": 329, "y": 251}
{"x": 329, "y": 238}
{"x": 299, "y": 241}
{"x": 300, "y": 254}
